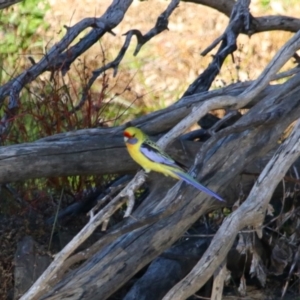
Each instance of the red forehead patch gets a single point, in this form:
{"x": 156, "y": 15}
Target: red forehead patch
{"x": 127, "y": 134}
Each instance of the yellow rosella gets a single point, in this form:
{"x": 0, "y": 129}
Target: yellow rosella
{"x": 148, "y": 155}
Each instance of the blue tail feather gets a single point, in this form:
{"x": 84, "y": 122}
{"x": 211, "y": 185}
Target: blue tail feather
{"x": 190, "y": 180}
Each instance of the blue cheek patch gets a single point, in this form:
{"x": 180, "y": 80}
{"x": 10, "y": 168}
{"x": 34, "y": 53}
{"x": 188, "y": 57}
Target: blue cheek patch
{"x": 132, "y": 141}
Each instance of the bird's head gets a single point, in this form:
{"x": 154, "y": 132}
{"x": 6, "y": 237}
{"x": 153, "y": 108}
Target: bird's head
{"x": 132, "y": 135}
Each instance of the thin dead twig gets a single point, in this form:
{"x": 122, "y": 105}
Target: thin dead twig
{"x": 113, "y": 64}
{"x": 161, "y": 25}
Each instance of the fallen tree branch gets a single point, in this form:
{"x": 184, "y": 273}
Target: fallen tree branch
{"x": 250, "y": 213}
{"x": 121, "y": 259}
{"x": 42, "y": 284}
{"x": 57, "y": 155}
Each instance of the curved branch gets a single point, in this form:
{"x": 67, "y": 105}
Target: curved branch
{"x": 161, "y": 25}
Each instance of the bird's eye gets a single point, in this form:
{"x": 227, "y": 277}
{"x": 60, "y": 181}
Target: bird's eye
{"x": 133, "y": 135}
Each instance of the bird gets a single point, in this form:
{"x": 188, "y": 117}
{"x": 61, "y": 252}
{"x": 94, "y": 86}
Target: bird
{"x": 151, "y": 158}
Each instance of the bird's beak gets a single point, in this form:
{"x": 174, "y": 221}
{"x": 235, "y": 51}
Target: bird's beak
{"x": 125, "y": 139}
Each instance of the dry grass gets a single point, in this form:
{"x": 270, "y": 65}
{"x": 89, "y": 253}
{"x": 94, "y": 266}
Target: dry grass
{"x": 171, "y": 61}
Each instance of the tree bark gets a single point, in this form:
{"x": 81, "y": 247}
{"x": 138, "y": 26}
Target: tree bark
{"x": 111, "y": 267}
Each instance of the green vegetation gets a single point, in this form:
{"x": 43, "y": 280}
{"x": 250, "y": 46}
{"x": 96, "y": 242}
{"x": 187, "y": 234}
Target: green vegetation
{"x": 20, "y": 32}
{"x": 20, "y": 25}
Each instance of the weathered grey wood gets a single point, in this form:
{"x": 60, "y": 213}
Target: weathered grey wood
{"x": 239, "y": 22}
{"x": 101, "y": 151}
{"x": 131, "y": 252}
{"x": 110, "y": 268}
{"x": 87, "y": 155}
{"x": 250, "y": 213}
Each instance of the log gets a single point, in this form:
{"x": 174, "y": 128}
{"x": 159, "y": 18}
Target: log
{"x": 99, "y": 151}
{"x": 110, "y": 268}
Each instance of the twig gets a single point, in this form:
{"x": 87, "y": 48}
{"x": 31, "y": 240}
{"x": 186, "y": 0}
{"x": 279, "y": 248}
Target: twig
{"x": 113, "y": 64}
{"x": 130, "y": 204}
{"x": 285, "y": 74}
{"x": 295, "y": 262}
{"x": 101, "y": 201}
{"x": 55, "y": 218}
{"x": 161, "y": 25}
